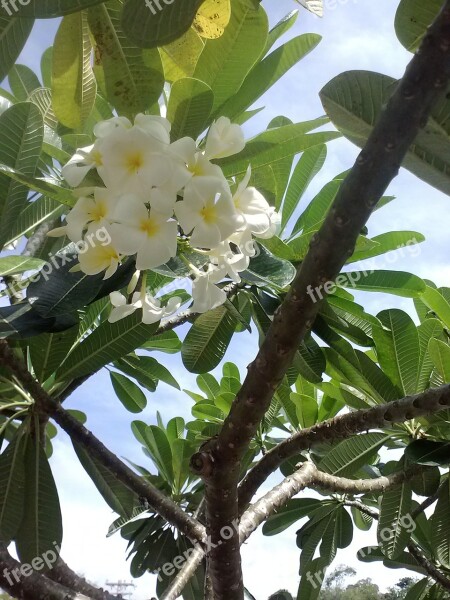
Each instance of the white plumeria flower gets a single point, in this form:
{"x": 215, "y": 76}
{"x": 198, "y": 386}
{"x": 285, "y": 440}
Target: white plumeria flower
{"x": 197, "y": 163}
{"x": 135, "y": 161}
{"x": 81, "y": 163}
{"x": 94, "y": 213}
{"x": 98, "y": 258}
{"x": 148, "y": 234}
{"x": 205, "y": 293}
{"x": 207, "y": 212}
{"x": 259, "y": 217}
{"x": 231, "y": 262}
{"x": 152, "y": 311}
{"x": 105, "y": 128}
{"x": 243, "y": 239}
{"x": 224, "y": 139}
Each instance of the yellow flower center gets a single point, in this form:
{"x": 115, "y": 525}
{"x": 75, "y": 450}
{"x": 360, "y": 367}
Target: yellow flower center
{"x": 134, "y": 162}
{"x": 97, "y": 158}
{"x": 99, "y": 211}
{"x": 150, "y": 227}
{"x": 209, "y": 214}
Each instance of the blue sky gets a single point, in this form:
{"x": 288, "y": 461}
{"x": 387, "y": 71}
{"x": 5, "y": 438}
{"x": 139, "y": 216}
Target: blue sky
{"x": 357, "y": 34}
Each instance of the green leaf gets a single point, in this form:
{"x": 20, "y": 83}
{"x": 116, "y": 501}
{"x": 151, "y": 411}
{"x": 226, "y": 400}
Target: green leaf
{"x": 182, "y": 451}
{"x": 190, "y": 104}
{"x": 266, "y": 269}
{"x": 35, "y": 213}
{"x": 118, "y": 497}
{"x": 280, "y": 29}
{"x": 159, "y": 447}
{"x": 41, "y": 527}
{"x": 412, "y": 19}
{"x": 130, "y": 394}
{"x": 133, "y": 77}
{"x": 350, "y": 455}
{"x": 207, "y": 340}
{"x": 307, "y": 409}
{"x": 267, "y": 72}
{"x": 392, "y": 533}
{"x": 440, "y": 532}
{"x": 12, "y": 486}
{"x": 180, "y": 57}
{"x": 309, "y": 588}
{"x": 49, "y": 350}
{"x": 427, "y": 481}
{"x": 154, "y": 369}
{"x": 12, "y": 265}
{"x": 293, "y": 511}
{"x": 22, "y": 81}
{"x": 354, "y": 100}
{"x": 436, "y": 301}
{"x": 397, "y": 283}
{"x": 440, "y": 355}
{"x": 427, "y": 452}
{"x": 314, "y": 214}
{"x": 13, "y": 36}
{"x": 387, "y": 242}
{"x": 276, "y": 144}
{"x": 226, "y": 61}
{"x": 428, "y": 330}
{"x": 404, "y": 561}
{"x": 132, "y": 366}
{"x": 56, "y": 291}
{"x": 107, "y": 343}
{"x": 368, "y": 379}
{"x": 21, "y": 136}
{"x": 418, "y": 590}
{"x": 308, "y": 166}
{"x": 149, "y": 27}
{"x": 45, "y": 9}
{"x": 398, "y": 352}
{"x": 362, "y": 520}
{"x": 167, "y": 342}
{"x": 73, "y": 82}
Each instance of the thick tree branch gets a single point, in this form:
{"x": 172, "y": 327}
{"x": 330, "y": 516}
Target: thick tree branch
{"x": 379, "y": 162}
{"x": 61, "y": 573}
{"x": 46, "y": 405}
{"x": 308, "y": 475}
{"x": 33, "y": 585}
{"x": 379, "y": 417}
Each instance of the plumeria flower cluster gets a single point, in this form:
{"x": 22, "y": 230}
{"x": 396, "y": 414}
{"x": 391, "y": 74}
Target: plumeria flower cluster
{"x": 156, "y": 196}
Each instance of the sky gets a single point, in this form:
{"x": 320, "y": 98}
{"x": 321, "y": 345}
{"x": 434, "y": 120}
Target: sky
{"x": 357, "y": 34}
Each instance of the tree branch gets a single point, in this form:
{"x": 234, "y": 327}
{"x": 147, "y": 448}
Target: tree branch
{"x": 33, "y": 585}
{"x": 378, "y": 417}
{"x": 308, "y": 475}
{"x": 408, "y": 110}
{"x": 61, "y": 573}
{"x": 429, "y": 567}
{"x": 46, "y": 405}
{"x": 184, "y": 575}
